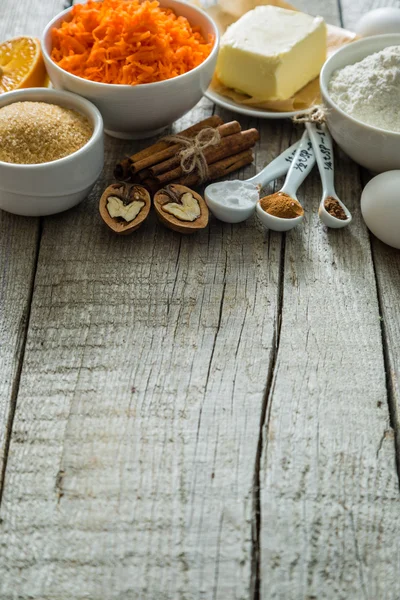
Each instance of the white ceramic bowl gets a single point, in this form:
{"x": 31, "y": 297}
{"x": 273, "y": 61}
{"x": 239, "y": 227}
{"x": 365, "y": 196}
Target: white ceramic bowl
{"x": 49, "y": 188}
{"x": 371, "y": 147}
{"x": 139, "y": 111}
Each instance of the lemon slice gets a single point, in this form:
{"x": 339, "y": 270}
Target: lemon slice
{"x": 21, "y": 64}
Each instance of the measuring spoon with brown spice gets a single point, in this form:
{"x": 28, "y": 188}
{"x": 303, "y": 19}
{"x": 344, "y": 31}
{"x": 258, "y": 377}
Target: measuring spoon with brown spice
{"x": 290, "y": 211}
{"x": 181, "y": 209}
{"x": 332, "y": 212}
{"x": 123, "y": 207}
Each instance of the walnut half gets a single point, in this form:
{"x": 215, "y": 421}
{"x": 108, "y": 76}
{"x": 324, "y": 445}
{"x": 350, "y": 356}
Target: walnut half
{"x": 181, "y": 208}
{"x": 124, "y": 207}
{"x": 187, "y": 209}
{"x": 116, "y": 208}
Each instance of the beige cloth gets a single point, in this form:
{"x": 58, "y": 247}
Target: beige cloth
{"x": 227, "y": 12}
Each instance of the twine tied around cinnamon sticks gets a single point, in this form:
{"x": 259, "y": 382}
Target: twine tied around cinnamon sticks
{"x": 192, "y": 157}
{"x": 314, "y": 114}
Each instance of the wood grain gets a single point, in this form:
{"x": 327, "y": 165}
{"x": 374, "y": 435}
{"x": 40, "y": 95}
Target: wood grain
{"x": 131, "y": 465}
{"x": 27, "y": 18}
{"x": 18, "y": 248}
{"x": 145, "y": 463}
{"x": 329, "y": 489}
{"x": 387, "y": 266}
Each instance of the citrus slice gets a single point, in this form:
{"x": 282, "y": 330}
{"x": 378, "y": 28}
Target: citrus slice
{"x": 21, "y": 64}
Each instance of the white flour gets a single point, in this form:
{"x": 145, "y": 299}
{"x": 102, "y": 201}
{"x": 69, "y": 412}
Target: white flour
{"x": 370, "y": 89}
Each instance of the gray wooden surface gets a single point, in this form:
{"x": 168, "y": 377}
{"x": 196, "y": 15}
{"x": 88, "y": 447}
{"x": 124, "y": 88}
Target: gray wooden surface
{"x": 212, "y": 417}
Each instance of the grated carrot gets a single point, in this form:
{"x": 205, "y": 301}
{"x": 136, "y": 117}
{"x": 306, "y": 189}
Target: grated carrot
{"x": 128, "y": 42}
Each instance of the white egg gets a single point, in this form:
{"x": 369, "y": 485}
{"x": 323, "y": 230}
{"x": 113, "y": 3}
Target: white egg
{"x": 380, "y": 207}
{"x": 379, "y": 21}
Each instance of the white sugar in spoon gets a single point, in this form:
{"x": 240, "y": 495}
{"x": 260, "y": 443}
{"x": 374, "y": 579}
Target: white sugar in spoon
{"x": 301, "y": 166}
{"x": 322, "y": 144}
{"x": 235, "y": 200}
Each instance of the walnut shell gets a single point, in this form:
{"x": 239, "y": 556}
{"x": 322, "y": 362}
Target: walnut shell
{"x": 163, "y": 197}
{"x": 124, "y": 191}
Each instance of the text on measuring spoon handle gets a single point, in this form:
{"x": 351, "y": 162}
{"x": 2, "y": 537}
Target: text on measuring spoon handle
{"x": 301, "y": 166}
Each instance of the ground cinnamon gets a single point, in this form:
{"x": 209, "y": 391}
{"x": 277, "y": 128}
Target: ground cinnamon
{"x": 281, "y": 205}
{"x": 333, "y": 207}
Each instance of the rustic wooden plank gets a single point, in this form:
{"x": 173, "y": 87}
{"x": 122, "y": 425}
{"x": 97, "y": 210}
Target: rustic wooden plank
{"x": 18, "y": 247}
{"x": 329, "y": 490}
{"x": 387, "y": 269}
{"x": 387, "y": 266}
{"x": 329, "y": 496}
{"x": 27, "y": 18}
{"x": 131, "y": 465}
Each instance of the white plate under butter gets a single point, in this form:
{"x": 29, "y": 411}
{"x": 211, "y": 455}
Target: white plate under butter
{"x": 249, "y": 111}
{"x": 271, "y": 52}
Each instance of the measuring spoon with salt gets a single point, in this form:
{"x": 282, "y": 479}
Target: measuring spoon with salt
{"x": 301, "y": 166}
{"x": 235, "y": 200}
{"x": 323, "y": 147}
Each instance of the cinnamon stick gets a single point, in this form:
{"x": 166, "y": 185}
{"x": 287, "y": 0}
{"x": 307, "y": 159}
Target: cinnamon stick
{"x": 166, "y": 165}
{"x": 216, "y": 171}
{"x": 151, "y": 185}
{"x": 122, "y": 169}
{"x": 229, "y": 146}
{"x": 172, "y": 149}
{"x": 142, "y": 175}
{"x": 220, "y": 168}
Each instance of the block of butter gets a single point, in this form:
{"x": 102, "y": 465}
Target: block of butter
{"x": 270, "y": 53}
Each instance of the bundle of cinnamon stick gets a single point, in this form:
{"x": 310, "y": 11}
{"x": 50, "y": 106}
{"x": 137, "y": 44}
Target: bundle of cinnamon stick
{"x": 160, "y": 164}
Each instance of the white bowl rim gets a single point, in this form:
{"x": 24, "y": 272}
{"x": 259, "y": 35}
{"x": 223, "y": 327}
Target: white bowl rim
{"x": 343, "y": 49}
{"x": 91, "y": 109}
{"x": 119, "y": 86}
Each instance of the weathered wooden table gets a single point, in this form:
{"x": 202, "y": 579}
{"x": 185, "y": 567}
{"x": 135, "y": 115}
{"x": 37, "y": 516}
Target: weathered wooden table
{"x": 211, "y": 417}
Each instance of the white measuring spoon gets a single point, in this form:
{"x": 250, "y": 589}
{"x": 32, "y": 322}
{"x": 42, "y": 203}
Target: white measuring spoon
{"x": 235, "y": 200}
{"x": 301, "y": 166}
{"x": 323, "y": 147}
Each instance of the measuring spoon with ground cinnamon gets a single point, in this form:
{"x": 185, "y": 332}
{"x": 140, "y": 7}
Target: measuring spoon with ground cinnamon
{"x": 282, "y": 211}
{"x": 234, "y": 200}
{"x": 332, "y": 212}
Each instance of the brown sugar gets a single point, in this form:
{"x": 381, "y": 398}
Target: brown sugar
{"x": 333, "y": 207}
{"x": 282, "y": 205}
{"x": 38, "y": 132}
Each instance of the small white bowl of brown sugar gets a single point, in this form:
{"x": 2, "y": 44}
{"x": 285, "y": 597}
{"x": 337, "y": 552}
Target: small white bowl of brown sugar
{"x": 51, "y": 150}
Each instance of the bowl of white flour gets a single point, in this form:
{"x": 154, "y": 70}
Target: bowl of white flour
{"x": 360, "y": 86}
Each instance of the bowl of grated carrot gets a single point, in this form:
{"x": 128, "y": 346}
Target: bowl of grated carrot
{"x": 144, "y": 64}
